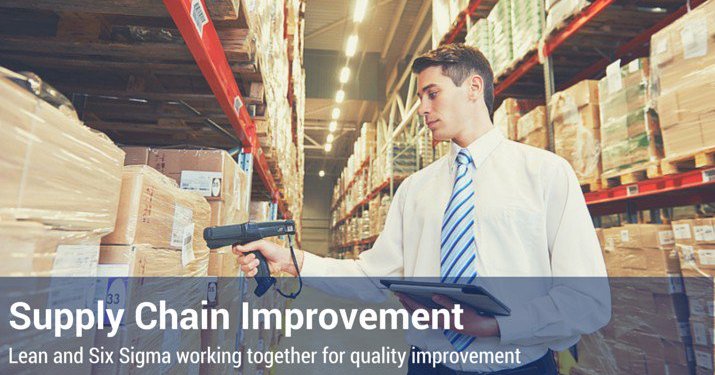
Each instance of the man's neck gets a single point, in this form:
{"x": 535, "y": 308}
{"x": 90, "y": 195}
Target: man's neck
{"x": 473, "y": 133}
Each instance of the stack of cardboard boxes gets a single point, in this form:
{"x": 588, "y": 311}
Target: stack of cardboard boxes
{"x": 683, "y": 76}
{"x": 508, "y": 114}
{"x": 531, "y": 128}
{"x": 574, "y": 115}
{"x": 695, "y": 240}
{"x": 59, "y": 193}
{"x": 630, "y": 136}
{"x": 648, "y": 331}
{"x": 503, "y": 52}
{"x": 526, "y": 26}
{"x": 480, "y": 36}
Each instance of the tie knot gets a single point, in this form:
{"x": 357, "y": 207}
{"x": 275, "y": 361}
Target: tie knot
{"x": 463, "y": 157}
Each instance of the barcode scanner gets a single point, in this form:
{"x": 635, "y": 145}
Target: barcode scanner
{"x": 242, "y": 234}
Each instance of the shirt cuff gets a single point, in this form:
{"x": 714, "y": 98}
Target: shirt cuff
{"x": 517, "y": 326}
{"x": 313, "y": 265}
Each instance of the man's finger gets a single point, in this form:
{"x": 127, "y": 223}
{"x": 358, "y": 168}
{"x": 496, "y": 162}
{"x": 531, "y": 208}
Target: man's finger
{"x": 443, "y": 301}
{"x": 251, "y": 246}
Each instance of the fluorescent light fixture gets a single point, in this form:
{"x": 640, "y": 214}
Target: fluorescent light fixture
{"x": 340, "y": 96}
{"x": 344, "y": 74}
{"x": 330, "y": 138}
{"x": 336, "y": 113}
{"x": 352, "y": 45}
{"x": 321, "y": 173}
{"x": 333, "y": 125}
{"x": 360, "y": 9}
{"x": 328, "y": 147}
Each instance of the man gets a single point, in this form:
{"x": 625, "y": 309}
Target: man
{"x": 490, "y": 208}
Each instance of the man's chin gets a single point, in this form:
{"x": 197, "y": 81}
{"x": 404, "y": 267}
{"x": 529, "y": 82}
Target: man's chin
{"x": 439, "y": 136}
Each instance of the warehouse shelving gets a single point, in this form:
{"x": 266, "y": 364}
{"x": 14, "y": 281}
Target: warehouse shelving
{"x": 538, "y": 70}
{"x": 202, "y": 56}
{"x": 358, "y": 172}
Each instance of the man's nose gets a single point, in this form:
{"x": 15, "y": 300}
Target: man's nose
{"x": 423, "y": 109}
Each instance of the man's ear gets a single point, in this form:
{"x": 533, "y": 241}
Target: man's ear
{"x": 476, "y": 86}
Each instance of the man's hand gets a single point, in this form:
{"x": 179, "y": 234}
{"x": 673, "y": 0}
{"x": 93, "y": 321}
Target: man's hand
{"x": 278, "y": 258}
{"x": 474, "y": 324}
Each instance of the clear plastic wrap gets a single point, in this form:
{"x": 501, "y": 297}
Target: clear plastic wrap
{"x": 683, "y": 80}
{"x": 155, "y": 212}
{"x": 526, "y": 26}
{"x": 531, "y": 128}
{"x": 575, "y": 118}
{"x": 503, "y": 53}
{"x": 630, "y": 136}
{"x": 56, "y": 171}
{"x": 559, "y": 11}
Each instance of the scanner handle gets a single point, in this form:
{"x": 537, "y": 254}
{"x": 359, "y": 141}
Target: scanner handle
{"x": 263, "y": 277}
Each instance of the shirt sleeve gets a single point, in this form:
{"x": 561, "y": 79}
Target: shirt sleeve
{"x": 579, "y": 301}
{"x": 384, "y": 259}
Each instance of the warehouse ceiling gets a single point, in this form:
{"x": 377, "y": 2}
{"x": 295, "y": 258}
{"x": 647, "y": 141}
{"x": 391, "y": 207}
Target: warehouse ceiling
{"x": 328, "y": 23}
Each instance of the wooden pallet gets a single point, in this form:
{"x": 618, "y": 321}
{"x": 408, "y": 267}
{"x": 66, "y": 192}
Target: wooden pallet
{"x": 698, "y": 159}
{"x": 631, "y": 175}
{"x": 589, "y": 186}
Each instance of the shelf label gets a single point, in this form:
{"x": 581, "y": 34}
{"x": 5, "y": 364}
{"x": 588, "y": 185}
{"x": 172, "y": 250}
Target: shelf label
{"x": 198, "y": 15}
{"x": 695, "y": 38}
{"x": 632, "y": 190}
{"x": 613, "y": 76}
{"x": 237, "y": 104}
{"x": 709, "y": 175}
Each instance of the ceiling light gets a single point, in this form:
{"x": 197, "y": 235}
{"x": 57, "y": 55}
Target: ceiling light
{"x": 328, "y": 147}
{"x": 333, "y": 125}
{"x": 352, "y": 45}
{"x": 321, "y": 173}
{"x": 336, "y": 113}
{"x": 330, "y": 138}
{"x": 340, "y": 96}
{"x": 344, "y": 74}
{"x": 360, "y": 9}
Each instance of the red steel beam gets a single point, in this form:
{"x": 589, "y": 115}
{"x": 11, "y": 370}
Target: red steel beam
{"x": 210, "y": 56}
{"x": 516, "y": 75}
{"x": 632, "y": 45}
{"x": 462, "y": 20}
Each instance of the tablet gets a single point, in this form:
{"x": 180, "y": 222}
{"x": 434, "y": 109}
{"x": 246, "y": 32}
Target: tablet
{"x": 471, "y": 295}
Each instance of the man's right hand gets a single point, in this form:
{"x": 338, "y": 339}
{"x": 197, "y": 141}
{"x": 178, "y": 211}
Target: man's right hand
{"x": 278, "y": 258}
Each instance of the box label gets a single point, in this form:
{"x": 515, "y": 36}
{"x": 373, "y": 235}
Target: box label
{"x": 624, "y": 235}
{"x": 681, "y": 231}
{"x": 76, "y": 260}
{"x": 610, "y": 244}
{"x": 613, "y": 76}
{"x": 700, "y": 334}
{"x": 631, "y": 190}
{"x": 237, "y": 104}
{"x": 695, "y": 38}
{"x": 704, "y": 233}
{"x": 661, "y": 46}
{"x": 198, "y": 15}
{"x": 187, "y": 245}
{"x": 703, "y": 359}
{"x": 688, "y": 254}
{"x": 207, "y": 184}
{"x": 212, "y": 291}
{"x": 633, "y": 66}
{"x": 665, "y": 237}
{"x": 183, "y": 216}
{"x": 707, "y": 257}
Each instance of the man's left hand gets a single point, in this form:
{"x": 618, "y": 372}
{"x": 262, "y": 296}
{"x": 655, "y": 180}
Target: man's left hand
{"x": 473, "y": 323}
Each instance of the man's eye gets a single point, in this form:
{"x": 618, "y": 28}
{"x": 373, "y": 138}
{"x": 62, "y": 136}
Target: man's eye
{"x": 432, "y": 94}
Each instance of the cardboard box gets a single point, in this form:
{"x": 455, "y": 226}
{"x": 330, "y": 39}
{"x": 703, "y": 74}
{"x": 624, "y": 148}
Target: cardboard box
{"x": 211, "y": 173}
{"x": 154, "y": 211}
{"x": 55, "y": 170}
{"x": 653, "y": 236}
{"x": 136, "y": 155}
{"x": 694, "y": 231}
{"x": 531, "y": 128}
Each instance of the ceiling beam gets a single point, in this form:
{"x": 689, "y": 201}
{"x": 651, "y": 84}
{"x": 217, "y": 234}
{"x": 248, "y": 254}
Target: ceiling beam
{"x": 397, "y": 16}
{"x": 341, "y": 21}
{"x": 311, "y": 140}
{"x": 424, "y": 9}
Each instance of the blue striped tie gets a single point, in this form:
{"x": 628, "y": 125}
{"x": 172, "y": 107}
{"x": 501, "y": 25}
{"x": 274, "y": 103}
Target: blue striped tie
{"x": 459, "y": 250}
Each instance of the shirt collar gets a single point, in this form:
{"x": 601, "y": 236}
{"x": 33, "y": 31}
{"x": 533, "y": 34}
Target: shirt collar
{"x": 480, "y": 149}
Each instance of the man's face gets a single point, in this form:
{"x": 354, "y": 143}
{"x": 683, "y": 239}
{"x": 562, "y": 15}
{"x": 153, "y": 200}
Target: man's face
{"x": 443, "y": 105}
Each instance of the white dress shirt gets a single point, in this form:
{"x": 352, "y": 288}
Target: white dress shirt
{"x": 531, "y": 220}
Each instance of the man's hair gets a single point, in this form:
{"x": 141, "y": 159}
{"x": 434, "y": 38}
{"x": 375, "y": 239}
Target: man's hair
{"x": 459, "y": 61}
